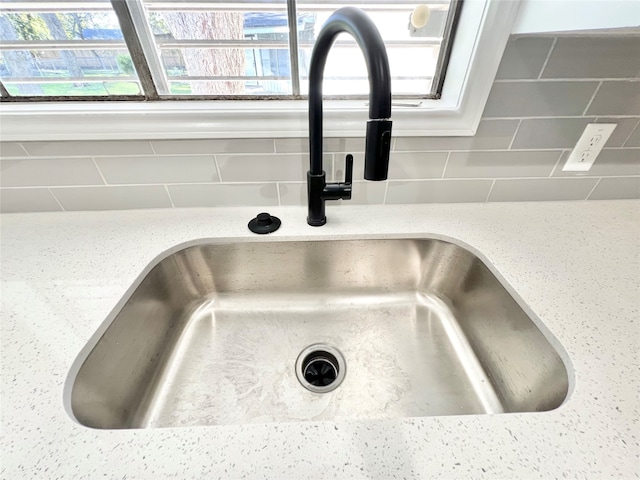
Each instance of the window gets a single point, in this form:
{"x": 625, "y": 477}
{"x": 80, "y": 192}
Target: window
{"x": 57, "y": 56}
{"x": 197, "y": 49}
{"x": 76, "y": 52}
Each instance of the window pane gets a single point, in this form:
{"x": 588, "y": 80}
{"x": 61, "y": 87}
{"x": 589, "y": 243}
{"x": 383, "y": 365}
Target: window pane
{"x": 413, "y": 52}
{"x": 206, "y": 48}
{"x": 65, "y": 53}
{"x": 72, "y": 73}
{"x": 232, "y": 50}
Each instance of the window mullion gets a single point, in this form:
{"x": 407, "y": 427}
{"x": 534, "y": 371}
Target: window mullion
{"x": 145, "y": 35}
{"x": 135, "y": 49}
{"x": 292, "y": 17}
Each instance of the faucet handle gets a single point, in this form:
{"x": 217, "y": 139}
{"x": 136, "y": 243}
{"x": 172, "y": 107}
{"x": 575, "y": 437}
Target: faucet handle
{"x": 338, "y": 190}
{"x": 348, "y": 173}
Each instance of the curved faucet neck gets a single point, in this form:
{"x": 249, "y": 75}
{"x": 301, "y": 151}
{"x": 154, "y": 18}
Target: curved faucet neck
{"x": 358, "y": 24}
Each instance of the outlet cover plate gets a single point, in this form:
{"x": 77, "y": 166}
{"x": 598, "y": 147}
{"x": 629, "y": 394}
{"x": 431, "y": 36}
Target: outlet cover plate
{"x": 588, "y": 148}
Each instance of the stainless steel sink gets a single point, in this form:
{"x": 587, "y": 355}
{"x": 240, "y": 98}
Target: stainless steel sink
{"x": 211, "y": 335}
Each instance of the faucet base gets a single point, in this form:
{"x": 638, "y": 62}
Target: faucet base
{"x": 316, "y": 223}
{"x": 315, "y": 189}
{"x": 319, "y": 191}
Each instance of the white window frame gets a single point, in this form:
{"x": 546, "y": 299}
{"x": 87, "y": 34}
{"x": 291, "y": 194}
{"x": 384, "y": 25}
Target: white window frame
{"x": 483, "y": 30}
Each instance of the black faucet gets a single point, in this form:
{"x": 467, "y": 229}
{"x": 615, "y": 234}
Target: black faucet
{"x": 378, "y": 142}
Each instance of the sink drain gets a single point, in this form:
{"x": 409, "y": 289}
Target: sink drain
{"x": 320, "y": 368}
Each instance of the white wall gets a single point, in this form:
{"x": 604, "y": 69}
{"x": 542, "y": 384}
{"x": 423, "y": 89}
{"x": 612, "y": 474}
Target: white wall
{"x": 537, "y": 16}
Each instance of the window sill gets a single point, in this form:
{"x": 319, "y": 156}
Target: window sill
{"x": 181, "y": 120}
{"x": 484, "y": 28}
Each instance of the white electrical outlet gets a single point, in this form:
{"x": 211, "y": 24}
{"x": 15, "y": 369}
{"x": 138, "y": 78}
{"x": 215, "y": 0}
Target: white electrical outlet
{"x": 593, "y": 138}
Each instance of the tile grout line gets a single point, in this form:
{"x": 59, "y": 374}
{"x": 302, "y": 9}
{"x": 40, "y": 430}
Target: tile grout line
{"x": 630, "y": 135}
{"x": 463, "y": 179}
{"x": 56, "y": 199}
{"x": 215, "y": 163}
{"x": 515, "y": 133}
{"x": 546, "y": 60}
{"x": 441, "y": 150}
{"x": 199, "y": 155}
{"x": 553, "y": 117}
{"x": 476, "y": 179}
{"x": 24, "y": 149}
{"x": 275, "y": 150}
{"x": 490, "y": 190}
{"x": 620, "y": 148}
{"x": 386, "y": 190}
{"x": 446, "y": 163}
{"x": 156, "y": 184}
{"x": 278, "y": 193}
{"x": 333, "y": 167}
{"x": 584, "y": 114}
{"x": 166, "y": 189}
{"x": 296, "y": 182}
{"x": 109, "y": 155}
{"x": 95, "y": 164}
{"x": 593, "y": 189}
{"x": 564, "y": 80}
{"x": 240, "y": 154}
{"x": 501, "y": 150}
{"x": 555, "y": 167}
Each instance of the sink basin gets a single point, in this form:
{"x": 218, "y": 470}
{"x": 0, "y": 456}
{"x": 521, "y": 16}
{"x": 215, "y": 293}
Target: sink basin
{"x": 217, "y": 333}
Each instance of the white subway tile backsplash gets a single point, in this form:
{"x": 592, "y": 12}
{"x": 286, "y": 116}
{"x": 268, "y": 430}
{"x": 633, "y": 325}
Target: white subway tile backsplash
{"x": 293, "y": 193}
{"x": 610, "y": 163}
{"x": 491, "y": 135}
{"x": 264, "y": 168}
{"x": 617, "y": 189}
{"x": 438, "y": 191}
{"x": 539, "y": 189}
{"x": 27, "y": 172}
{"x": 210, "y": 147}
{"x": 339, "y": 164}
{"x": 293, "y": 145}
{"x": 402, "y": 165}
{"x": 634, "y": 139}
{"x": 88, "y": 148}
{"x": 11, "y": 149}
{"x": 158, "y": 169}
{"x": 408, "y": 165}
{"x": 550, "y": 132}
{"x": 524, "y": 57}
{"x": 501, "y": 164}
{"x": 540, "y": 99}
{"x": 348, "y": 145}
{"x": 616, "y": 98}
{"x": 112, "y": 197}
{"x": 616, "y": 56}
{"x": 301, "y": 145}
{"x": 624, "y": 127}
{"x": 14, "y": 200}
{"x": 546, "y": 91}
{"x": 216, "y": 195}
{"x": 365, "y": 193}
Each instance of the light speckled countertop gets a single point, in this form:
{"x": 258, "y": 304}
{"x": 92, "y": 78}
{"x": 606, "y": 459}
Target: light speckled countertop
{"x": 575, "y": 264}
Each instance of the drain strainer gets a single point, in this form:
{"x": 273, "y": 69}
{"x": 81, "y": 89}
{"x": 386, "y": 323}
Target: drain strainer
{"x": 320, "y": 368}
